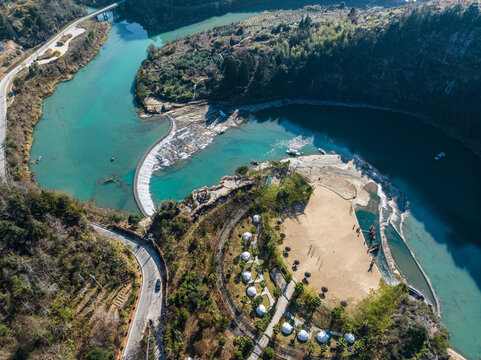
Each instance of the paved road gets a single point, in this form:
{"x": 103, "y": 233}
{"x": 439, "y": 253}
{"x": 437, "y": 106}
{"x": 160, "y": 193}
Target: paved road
{"x": 149, "y": 306}
{"x": 25, "y": 64}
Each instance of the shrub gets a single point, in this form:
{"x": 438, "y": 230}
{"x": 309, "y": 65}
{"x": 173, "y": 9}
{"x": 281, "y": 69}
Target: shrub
{"x": 277, "y": 293}
{"x": 241, "y": 170}
{"x": 134, "y": 219}
{"x": 97, "y": 353}
{"x": 268, "y": 354}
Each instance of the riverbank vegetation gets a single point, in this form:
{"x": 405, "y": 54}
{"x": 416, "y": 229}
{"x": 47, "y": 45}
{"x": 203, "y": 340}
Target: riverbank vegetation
{"x": 35, "y": 84}
{"x": 50, "y": 306}
{"x": 419, "y": 58}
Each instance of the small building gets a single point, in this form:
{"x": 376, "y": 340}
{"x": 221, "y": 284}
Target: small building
{"x": 287, "y": 328}
{"x": 247, "y": 236}
{"x": 251, "y": 291}
{"x": 245, "y": 256}
{"x": 256, "y": 219}
{"x": 302, "y": 336}
{"x": 322, "y": 337}
{"x": 246, "y": 276}
{"x": 261, "y": 310}
{"x": 350, "y": 338}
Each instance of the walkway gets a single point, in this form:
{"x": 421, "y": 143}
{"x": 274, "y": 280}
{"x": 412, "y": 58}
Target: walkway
{"x": 281, "y": 308}
{"x": 4, "y": 84}
{"x": 149, "y": 306}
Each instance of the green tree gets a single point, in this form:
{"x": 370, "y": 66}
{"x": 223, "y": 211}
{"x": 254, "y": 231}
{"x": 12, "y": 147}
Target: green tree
{"x": 244, "y": 300}
{"x": 300, "y": 302}
{"x": 316, "y": 302}
{"x": 230, "y": 71}
{"x": 299, "y": 288}
{"x": 417, "y": 335}
{"x": 98, "y": 353}
{"x": 359, "y": 346}
{"x": 151, "y": 49}
{"x": 18, "y": 82}
{"x": 268, "y": 354}
{"x": 336, "y": 312}
{"x": 241, "y": 170}
{"x": 257, "y": 301}
{"x": 33, "y": 68}
{"x": 277, "y": 292}
{"x": 134, "y": 219}
{"x": 310, "y": 348}
{"x": 341, "y": 344}
{"x": 277, "y": 329}
{"x": 243, "y": 75}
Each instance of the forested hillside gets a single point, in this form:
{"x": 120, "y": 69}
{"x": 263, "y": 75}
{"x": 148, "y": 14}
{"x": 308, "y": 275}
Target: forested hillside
{"x": 419, "y": 58}
{"x": 50, "y": 308}
{"x": 165, "y": 14}
{"x": 29, "y": 22}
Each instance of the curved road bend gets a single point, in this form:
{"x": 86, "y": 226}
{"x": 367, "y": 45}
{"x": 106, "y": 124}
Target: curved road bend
{"x": 149, "y": 306}
{"x": 26, "y": 63}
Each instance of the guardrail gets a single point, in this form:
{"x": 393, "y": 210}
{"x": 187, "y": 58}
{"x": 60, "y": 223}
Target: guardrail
{"x": 164, "y": 273}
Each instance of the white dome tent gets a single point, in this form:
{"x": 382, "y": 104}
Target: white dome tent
{"x": 302, "y": 336}
{"x": 245, "y": 256}
{"x": 287, "y": 328}
{"x": 246, "y": 276}
{"x": 261, "y": 310}
{"x": 251, "y": 291}
{"x": 350, "y": 338}
{"x": 256, "y": 219}
{"x": 322, "y": 337}
{"x": 247, "y": 236}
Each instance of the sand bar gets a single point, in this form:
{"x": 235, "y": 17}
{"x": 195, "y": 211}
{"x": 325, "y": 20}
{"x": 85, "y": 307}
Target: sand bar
{"x": 327, "y": 246}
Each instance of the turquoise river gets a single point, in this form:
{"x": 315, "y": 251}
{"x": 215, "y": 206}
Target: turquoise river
{"x": 93, "y": 117}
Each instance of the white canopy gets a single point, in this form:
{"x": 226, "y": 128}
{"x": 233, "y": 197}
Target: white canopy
{"x": 287, "y": 328}
{"x": 251, "y": 291}
{"x": 322, "y": 336}
{"x": 261, "y": 310}
{"x": 302, "y": 335}
{"x": 350, "y": 338}
{"x": 246, "y": 276}
{"x": 247, "y": 236}
{"x": 245, "y": 256}
{"x": 256, "y": 219}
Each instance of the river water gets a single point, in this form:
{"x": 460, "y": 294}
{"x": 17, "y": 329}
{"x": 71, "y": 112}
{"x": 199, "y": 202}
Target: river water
{"x": 93, "y": 118}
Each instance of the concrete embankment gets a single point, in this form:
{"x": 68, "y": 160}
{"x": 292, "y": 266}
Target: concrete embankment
{"x": 144, "y": 172}
{"x": 193, "y": 127}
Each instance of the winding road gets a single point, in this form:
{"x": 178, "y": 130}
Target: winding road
{"x": 149, "y": 305}
{"x": 4, "y": 84}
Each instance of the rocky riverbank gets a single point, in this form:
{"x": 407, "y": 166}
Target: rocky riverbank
{"x": 194, "y": 127}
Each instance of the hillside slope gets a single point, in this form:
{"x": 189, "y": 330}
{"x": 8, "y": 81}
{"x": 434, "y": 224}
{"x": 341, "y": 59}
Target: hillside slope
{"x": 421, "y": 58}
{"x": 30, "y": 22}
{"x": 49, "y": 305}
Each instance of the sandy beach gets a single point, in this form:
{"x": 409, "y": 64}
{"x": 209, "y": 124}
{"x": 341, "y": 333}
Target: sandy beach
{"x": 325, "y": 242}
